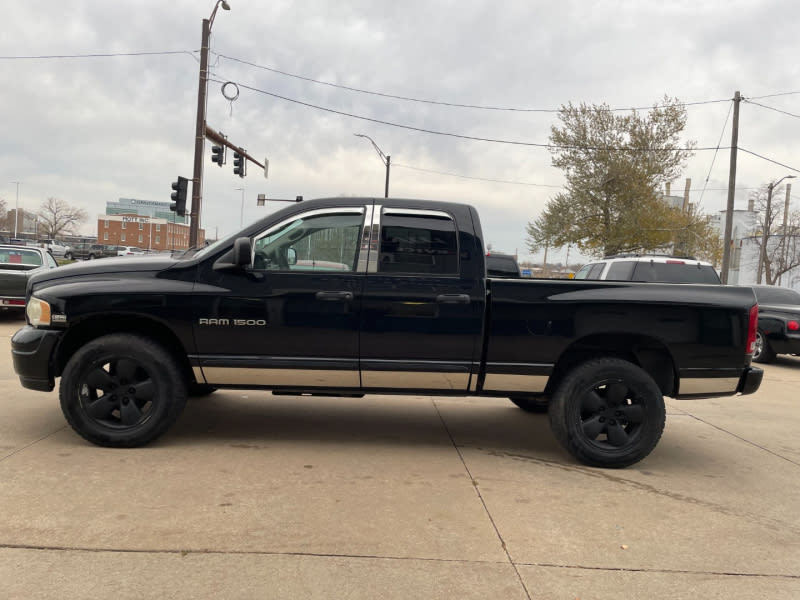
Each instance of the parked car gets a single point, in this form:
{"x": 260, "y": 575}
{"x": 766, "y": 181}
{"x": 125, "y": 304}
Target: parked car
{"x": 654, "y": 268}
{"x": 501, "y": 265}
{"x": 128, "y": 250}
{"x": 778, "y": 322}
{"x": 57, "y": 248}
{"x": 17, "y": 264}
{"x": 89, "y": 251}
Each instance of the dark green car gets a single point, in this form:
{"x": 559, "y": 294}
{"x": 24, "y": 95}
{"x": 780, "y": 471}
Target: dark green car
{"x": 17, "y": 264}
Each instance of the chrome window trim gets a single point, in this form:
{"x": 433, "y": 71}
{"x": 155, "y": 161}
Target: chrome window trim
{"x": 375, "y": 239}
{"x": 363, "y": 248}
{"x": 356, "y": 210}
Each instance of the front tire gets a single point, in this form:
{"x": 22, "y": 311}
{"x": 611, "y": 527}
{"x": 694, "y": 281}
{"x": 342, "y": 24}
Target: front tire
{"x": 608, "y": 413}
{"x": 763, "y": 352}
{"x": 122, "y": 391}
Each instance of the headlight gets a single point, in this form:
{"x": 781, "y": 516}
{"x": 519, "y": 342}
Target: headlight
{"x": 38, "y": 312}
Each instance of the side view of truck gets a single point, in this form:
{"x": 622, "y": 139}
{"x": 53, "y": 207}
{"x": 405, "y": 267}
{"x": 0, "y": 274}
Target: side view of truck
{"x": 408, "y": 309}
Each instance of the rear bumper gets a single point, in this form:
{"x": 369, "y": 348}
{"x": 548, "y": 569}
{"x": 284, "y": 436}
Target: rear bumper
{"x": 750, "y": 380}
{"x": 32, "y": 351}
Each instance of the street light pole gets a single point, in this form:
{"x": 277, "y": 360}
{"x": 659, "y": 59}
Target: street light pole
{"x": 762, "y": 262}
{"x": 200, "y": 129}
{"x": 385, "y": 159}
{"x": 16, "y": 208}
{"x": 241, "y": 213}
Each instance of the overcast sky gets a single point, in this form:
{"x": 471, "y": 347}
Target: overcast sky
{"x": 89, "y": 130}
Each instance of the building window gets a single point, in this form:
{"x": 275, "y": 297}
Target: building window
{"x": 141, "y": 226}
{"x": 158, "y": 227}
{"x": 158, "y": 239}
{"x": 140, "y": 238}
{"x": 105, "y": 235}
{"x": 123, "y": 237}
{"x": 124, "y": 224}
{"x": 106, "y": 223}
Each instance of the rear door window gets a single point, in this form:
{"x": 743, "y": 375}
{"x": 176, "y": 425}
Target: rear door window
{"x": 621, "y": 270}
{"x": 418, "y": 244}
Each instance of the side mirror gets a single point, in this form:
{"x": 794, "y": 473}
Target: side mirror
{"x": 237, "y": 258}
{"x": 242, "y": 252}
{"x": 291, "y": 256}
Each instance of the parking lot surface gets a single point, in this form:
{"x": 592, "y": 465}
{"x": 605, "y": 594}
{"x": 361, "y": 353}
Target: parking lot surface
{"x": 260, "y": 496}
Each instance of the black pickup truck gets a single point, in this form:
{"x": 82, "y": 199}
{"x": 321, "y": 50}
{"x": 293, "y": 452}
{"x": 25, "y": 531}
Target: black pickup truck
{"x": 347, "y": 296}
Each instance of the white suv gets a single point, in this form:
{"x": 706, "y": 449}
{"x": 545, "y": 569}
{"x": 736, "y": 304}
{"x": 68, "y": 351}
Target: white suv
{"x": 654, "y": 268}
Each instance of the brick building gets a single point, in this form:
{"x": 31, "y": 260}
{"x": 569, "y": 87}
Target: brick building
{"x": 145, "y": 232}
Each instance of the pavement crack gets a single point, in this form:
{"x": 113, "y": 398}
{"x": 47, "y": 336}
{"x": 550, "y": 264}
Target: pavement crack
{"x": 738, "y": 437}
{"x": 29, "y": 444}
{"x": 477, "y": 489}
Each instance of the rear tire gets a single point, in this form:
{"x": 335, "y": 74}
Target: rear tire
{"x": 763, "y": 352}
{"x": 122, "y": 390}
{"x": 608, "y": 413}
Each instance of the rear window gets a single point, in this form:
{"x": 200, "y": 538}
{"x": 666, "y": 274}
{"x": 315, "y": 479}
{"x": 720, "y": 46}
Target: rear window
{"x": 777, "y": 296}
{"x": 674, "y": 272}
{"x": 621, "y": 271}
{"x": 417, "y": 244}
{"x": 20, "y": 257}
{"x": 501, "y": 266}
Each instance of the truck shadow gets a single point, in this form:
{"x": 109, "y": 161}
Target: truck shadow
{"x": 259, "y": 419}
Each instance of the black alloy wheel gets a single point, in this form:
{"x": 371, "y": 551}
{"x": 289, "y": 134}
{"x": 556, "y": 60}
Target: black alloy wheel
{"x": 608, "y": 413}
{"x": 121, "y": 390}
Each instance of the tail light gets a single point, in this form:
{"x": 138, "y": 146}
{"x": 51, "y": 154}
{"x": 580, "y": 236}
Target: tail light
{"x": 793, "y": 326}
{"x": 752, "y": 327}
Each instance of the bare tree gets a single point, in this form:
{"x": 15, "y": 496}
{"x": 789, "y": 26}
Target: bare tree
{"x": 783, "y": 243}
{"x": 57, "y": 217}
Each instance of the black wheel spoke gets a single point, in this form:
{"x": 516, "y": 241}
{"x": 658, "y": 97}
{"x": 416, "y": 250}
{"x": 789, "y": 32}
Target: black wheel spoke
{"x": 99, "y": 379}
{"x": 616, "y": 393}
{"x": 633, "y": 413}
{"x": 130, "y": 414}
{"x": 592, "y": 427}
{"x": 102, "y": 408}
{"x": 143, "y": 390}
{"x": 617, "y": 435}
{"x": 126, "y": 370}
{"x": 591, "y": 402}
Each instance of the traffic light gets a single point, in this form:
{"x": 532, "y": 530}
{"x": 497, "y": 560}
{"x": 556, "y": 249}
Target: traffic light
{"x": 239, "y": 164}
{"x": 218, "y": 155}
{"x": 178, "y": 205}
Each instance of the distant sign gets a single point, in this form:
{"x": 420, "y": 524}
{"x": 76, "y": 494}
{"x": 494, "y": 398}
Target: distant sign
{"x": 527, "y": 273}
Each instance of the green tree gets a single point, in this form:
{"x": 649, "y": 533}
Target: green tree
{"x": 614, "y": 165}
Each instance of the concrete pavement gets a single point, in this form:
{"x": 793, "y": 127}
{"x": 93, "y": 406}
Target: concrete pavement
{"x": 259, "y": 496}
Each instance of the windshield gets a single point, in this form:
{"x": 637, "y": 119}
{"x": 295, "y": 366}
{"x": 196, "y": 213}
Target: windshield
{"x": 30, "y": 258}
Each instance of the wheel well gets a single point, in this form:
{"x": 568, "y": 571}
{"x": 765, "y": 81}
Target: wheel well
{"x": 646, "y": 352}
{"x": 85, "y": 331}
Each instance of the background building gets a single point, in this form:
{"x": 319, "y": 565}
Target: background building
{"x": 143, "y": 208}
{"x": 146, "y": 224}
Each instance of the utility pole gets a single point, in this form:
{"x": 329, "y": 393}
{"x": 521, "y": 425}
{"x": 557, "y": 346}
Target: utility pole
{"x": 762, "y": 259}
{"x": 785, "y": 225}
{"x": 726, "y": 250}
{"x": 200, "y": 129}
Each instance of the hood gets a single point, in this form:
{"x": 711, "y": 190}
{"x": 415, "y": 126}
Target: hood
{"x": 111, "y": 266}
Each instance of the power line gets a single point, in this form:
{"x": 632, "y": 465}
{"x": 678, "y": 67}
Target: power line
{"x": 477, "y": 178}
{"x": 773, "y": 108}
{"x": 104, "y": 55}
{"x": 437, "y": 102}
{"x": 711, "y": 167}
{"x": 450, "y": 134}
{"x": 770, "y": 160}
